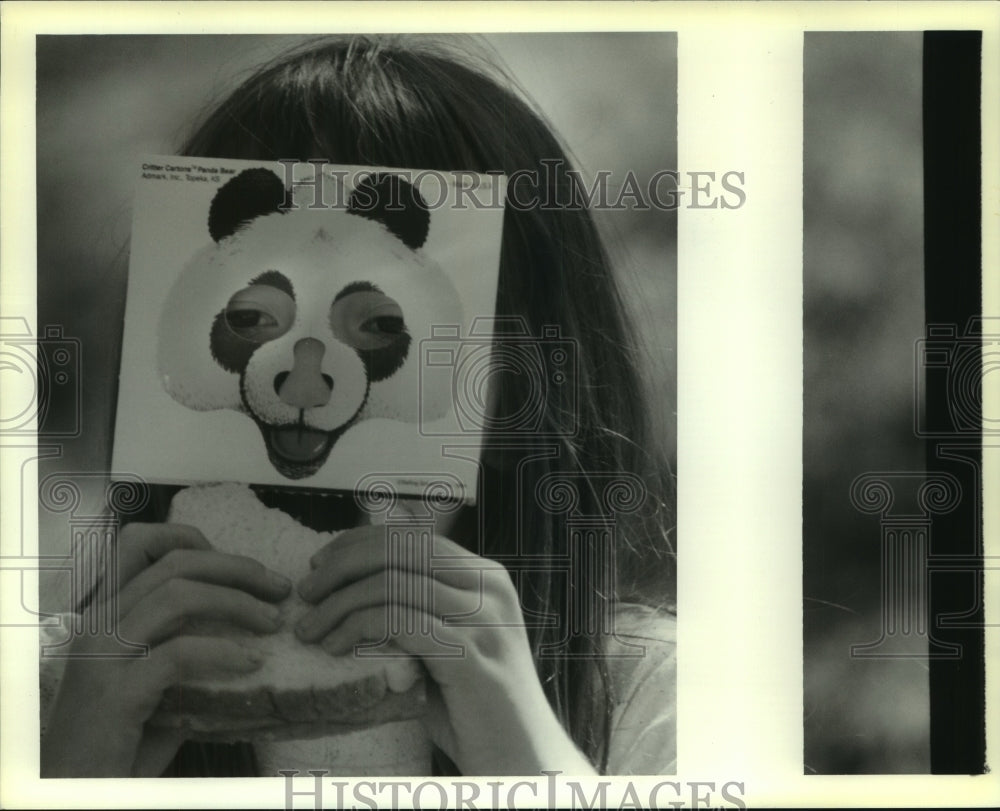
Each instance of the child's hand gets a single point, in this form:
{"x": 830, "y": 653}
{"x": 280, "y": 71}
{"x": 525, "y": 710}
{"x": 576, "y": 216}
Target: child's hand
{"x": 168, "y": 575}
{"x": 488, "y": 712}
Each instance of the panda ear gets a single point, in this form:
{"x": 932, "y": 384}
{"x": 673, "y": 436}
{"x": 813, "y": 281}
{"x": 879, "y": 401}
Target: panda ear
{"x": 251, "y": 194}
{"x": 397, "y": 204}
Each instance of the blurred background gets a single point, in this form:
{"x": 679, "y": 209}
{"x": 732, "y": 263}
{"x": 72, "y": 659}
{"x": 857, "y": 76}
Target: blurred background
{"x": 863, "y": 313}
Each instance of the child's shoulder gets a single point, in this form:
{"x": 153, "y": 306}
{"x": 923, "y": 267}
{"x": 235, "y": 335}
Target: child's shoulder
{"x": 642, "y": 668}
{"x": 642, "y": 649}
{"x": 635, "y": 621}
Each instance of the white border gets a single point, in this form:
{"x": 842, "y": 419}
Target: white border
{"x": 773, "y": 775}
{"x": 739, "y": 390}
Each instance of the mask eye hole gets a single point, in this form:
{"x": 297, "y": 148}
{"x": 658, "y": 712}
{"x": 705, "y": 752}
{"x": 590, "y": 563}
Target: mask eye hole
{"x": 368, "y": 320}
{"x": 260, "y": 313}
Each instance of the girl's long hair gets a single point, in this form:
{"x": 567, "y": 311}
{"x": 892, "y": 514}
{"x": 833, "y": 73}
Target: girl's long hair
{"x": 421, "y": 104}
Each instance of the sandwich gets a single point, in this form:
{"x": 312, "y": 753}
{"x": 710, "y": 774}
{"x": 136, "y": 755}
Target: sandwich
{"x": 300, "y": 691}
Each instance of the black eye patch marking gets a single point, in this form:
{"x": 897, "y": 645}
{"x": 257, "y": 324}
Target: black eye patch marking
{"x": 260, "y": 312}
{"x": 370, "y": 322}
{"x": 386, "y": 361}
{"x": 230, "y": 351}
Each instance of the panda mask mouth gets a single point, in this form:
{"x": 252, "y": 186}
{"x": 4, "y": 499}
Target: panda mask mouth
{"x": 298, "y": 444}
{"x": 297, "y": 451}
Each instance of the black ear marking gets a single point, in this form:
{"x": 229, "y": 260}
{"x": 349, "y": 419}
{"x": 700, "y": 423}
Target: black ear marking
{"x": 252, "y": 193}
{"x": 392, "y": 201}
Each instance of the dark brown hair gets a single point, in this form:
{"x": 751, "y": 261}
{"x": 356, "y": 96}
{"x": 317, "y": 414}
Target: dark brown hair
{"x": 421, "y": 104}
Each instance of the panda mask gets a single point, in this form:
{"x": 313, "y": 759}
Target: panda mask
{"x": 307, "y": 320}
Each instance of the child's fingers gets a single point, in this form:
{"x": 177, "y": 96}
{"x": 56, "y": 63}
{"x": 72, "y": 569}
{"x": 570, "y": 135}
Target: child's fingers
{"x": 367, "y": 550}
{"x": 190, "y": 657}
{"x": 98, "y": 726}
{"x": 165, "y": 609}
{"x": 205, "y": 566}
{"x": 371, "y": 528}
{"x": 184, "y": 658}
{"x": 348, "y": 538}
{"x": 140, "y": 545}
{"x": 410, "y": 593}
{"x": 368, "y": 624}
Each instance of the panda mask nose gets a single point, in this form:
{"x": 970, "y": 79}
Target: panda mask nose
{"x": 305, "y": 386}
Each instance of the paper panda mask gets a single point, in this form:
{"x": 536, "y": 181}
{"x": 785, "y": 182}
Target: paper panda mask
{"x": 307, "y": 320}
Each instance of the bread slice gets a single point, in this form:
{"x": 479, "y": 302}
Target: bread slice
{"x": 300, "y": 691}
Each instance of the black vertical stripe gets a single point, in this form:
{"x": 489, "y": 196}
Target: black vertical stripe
{"x": 953, "y": 298}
